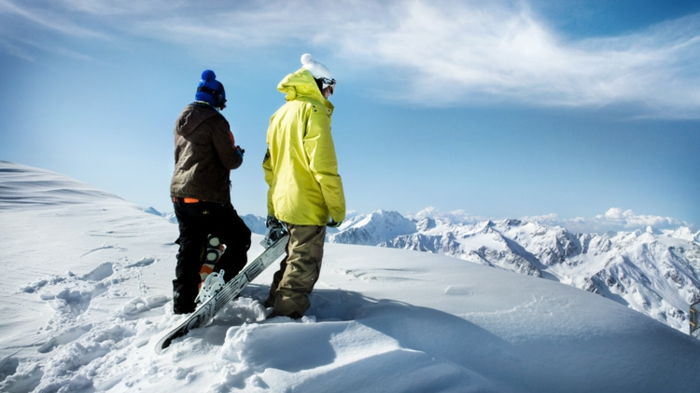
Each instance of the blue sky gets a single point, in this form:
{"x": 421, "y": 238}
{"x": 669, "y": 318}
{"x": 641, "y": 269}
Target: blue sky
{"x": 500, "y": 109}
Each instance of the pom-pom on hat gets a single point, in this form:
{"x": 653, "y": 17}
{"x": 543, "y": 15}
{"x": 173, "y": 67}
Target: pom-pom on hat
{"x": 318, "y": 70}
{"x": 323, "y": 77}
{"x": 210, "y": 90}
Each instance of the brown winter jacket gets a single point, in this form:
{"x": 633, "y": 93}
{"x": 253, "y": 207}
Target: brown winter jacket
{"x": 205, "y": 153}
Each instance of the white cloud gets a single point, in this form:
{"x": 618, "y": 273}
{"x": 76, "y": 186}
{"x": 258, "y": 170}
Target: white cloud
{"x": 439, "y": 52}
{"x": 116, "y": 8}
{"x": 614, "y": 219}
{"x": 47, "y": 19}
{"x": 448, "y": 53}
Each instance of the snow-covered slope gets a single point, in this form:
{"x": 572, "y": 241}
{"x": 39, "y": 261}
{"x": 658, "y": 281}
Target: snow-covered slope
{"x": 23, "y": 185}
{"x": 651, "y": 271}
{"x": 86, "y": 293}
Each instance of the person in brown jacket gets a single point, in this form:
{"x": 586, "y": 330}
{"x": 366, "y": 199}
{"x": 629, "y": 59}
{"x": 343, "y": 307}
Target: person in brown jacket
{"x": 205, "y": 154}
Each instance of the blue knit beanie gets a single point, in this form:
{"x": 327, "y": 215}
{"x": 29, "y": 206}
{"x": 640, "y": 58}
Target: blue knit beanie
{"x": 210, "y": 90}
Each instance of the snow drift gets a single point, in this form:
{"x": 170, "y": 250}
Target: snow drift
{"x": 86, "y": 293}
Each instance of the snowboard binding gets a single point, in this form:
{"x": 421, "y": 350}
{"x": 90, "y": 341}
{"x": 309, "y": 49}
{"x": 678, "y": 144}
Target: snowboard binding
{"x": 212, "y": 285}
{"x": 275, "y": 231}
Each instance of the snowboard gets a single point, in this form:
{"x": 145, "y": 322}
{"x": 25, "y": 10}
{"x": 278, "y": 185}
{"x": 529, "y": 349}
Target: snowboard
{"x": 205, "y": 312}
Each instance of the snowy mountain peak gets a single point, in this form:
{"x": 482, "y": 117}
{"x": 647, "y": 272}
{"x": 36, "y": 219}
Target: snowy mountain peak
{"x": 426, "y": 223}
{"x": 427, "y": 212}
{"x": 373, "y": 228}
{"x": 686, "y": 233}
{"x": 512, "y": 222}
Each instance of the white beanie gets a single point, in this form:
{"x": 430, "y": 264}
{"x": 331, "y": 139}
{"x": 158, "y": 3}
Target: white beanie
{"x": 317, "y": 69}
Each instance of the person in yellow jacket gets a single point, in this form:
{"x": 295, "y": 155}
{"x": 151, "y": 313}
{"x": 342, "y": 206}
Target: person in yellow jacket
{"x": 305, "y": 189}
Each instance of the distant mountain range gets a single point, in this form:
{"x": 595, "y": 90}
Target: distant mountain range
{"x": 656, "y": 272}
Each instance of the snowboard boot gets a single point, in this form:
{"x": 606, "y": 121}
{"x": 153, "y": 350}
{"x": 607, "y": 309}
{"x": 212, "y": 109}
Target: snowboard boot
{"x": 183, "y": 299}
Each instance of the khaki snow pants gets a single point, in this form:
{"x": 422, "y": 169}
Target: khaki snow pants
{"x": 299, "y": 271}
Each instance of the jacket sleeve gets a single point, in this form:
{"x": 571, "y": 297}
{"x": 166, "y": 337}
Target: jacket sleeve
{"x": 222, "y": 137}
{"x": 320, "y": 150}
{"x": 269, "y": 176}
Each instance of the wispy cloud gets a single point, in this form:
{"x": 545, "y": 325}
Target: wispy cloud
{"x": 48, "y": 19}
{"x": 110, "y": 8}
{"x": 441, "y": 52}
{"x": 614, "y": 219}
{"x": 452, "y": 53}
{"x": 16, "y": 51}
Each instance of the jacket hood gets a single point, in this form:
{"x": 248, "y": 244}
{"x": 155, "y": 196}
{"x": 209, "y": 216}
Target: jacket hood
{"x": 301, "y": 83}
{"x": 193, "y": 116}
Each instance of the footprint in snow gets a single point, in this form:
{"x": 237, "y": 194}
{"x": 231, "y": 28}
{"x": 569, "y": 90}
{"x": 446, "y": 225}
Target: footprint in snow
{"x": 142, "y": 263}
{"x": 101, "y": 272}
{"x": 65, "y": 337}
{"x": 141, "y": 305}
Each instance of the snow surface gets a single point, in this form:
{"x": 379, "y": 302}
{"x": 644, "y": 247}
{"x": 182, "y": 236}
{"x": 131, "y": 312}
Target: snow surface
{"x": 86, "y": 294}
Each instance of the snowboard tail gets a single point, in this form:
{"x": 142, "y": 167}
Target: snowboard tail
{"x": 203, "y": 314}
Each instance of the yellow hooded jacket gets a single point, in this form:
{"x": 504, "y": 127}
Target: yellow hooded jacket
{"x": 300, "y": 166}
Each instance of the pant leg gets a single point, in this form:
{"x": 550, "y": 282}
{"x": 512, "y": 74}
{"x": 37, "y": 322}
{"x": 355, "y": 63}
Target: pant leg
{"x": 191, "y": 222}
{"x": 276, "y": 278}
{"x": 234, "y": 233}
{"x": 299, "y": 271}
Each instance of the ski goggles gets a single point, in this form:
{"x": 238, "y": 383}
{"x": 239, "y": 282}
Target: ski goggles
{"x": 328, "y": 82}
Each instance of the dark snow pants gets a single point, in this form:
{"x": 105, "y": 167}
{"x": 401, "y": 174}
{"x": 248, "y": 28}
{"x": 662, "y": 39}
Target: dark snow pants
{"x": 196, "y": 222}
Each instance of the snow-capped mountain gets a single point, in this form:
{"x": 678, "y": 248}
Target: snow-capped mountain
{"x": 255, "y": 223}
{"x": 374, "y": 228}
{"x": 656, "y": 272}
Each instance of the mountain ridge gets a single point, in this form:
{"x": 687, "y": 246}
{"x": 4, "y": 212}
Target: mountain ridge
{"x": 653, "y": 271}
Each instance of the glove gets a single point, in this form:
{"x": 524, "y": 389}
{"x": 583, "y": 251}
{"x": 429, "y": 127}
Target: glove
{"x": 275, "y": 231}
{"x": 272, "y": 222}
{"x": 333, "y": 224}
